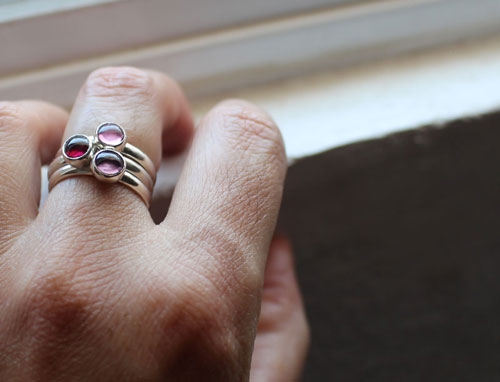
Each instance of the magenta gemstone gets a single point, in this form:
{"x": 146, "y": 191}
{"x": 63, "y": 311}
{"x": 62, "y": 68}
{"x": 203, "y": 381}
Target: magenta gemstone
{"x": 111, "y": 134}
{"x": 76, "y": 147}
{"x": 109, "y": 163}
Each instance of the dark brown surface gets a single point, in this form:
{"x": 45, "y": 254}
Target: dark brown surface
{"x": 398, "y": 253}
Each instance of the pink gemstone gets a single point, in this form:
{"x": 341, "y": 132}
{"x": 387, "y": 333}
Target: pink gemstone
{"x": 76, "y": 147}
{"x": 111, "y": 134}
{"x": 109, "y": 163}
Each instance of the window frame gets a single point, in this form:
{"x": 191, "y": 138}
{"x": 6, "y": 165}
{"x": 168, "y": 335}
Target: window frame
{"x": 230, "y": 57}
{"x": 36, "y": 34}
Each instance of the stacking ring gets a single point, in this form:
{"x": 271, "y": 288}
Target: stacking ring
{"x": 108, "y": 157}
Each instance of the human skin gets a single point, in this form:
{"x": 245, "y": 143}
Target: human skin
{"x": 92, "y": 290}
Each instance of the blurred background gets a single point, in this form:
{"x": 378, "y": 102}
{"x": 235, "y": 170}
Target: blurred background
{"x": 389, "y": 111}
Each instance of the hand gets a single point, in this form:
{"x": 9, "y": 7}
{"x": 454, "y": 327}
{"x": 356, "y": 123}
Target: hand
{"x": 92, "y": 290}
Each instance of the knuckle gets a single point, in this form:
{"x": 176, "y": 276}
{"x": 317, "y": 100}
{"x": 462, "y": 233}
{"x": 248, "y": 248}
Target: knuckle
{"x": 57, "y": 308}
{"x": 251, "y": 128}
{"x": 283, "y": 305}
{"x": 194, "y": 320}
{"x": 220, "y": 332}
{"x": 118, "y": 82}
{"x": 228, "y": 350}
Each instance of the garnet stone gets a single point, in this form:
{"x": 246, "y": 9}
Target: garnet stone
{"x": 110, "y": 134}
{"x": 109, "y": 163}
{"x": 76, "y": 146}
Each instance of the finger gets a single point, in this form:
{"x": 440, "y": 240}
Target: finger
{"x": 30, "y": 132}
{"x": 178, "y": 137}
{"x": 227, "y": 199}
{"x": 283, "y": 334}
{"x": 148, "y": 105}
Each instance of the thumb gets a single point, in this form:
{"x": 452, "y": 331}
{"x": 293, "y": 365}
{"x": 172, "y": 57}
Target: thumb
{"x": 283, "y": 333}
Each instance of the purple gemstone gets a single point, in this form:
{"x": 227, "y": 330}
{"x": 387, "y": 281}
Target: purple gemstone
{"x": 111, "y": 134}
{"x": 109, "y": 163}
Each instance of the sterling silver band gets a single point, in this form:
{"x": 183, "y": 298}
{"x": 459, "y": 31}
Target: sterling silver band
{"x": 128, "y": 179}
{"x": 106, "y": 156}
{"x": 132, "y": 167}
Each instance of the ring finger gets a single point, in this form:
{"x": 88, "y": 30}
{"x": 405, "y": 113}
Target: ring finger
{"x": 146, "y": 104}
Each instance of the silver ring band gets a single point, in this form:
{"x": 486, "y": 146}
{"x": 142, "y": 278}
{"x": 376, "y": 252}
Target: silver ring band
{"x": 106, "y": 156}
{"x": 131, "y": 166}
{"x": 137, "y": 155}
{"x": 128, "y": 179}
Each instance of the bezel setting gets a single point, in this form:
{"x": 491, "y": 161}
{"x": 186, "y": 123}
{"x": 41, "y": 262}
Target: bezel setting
{"x": 99, "y": 171}
{"x": 117, "y": 142}
{"x": 81, "y": 160}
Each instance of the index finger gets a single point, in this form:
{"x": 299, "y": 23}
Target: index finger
{"x": 226, "y": 203}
